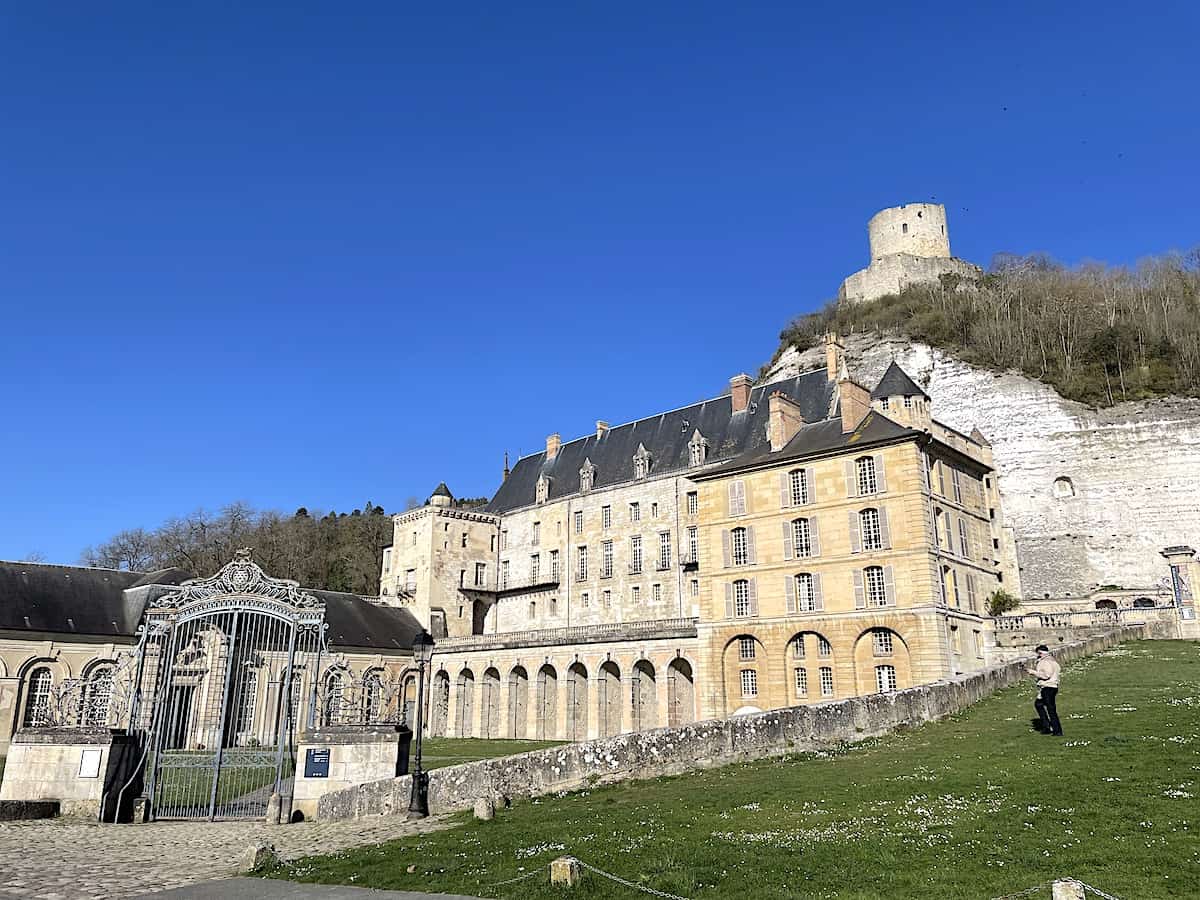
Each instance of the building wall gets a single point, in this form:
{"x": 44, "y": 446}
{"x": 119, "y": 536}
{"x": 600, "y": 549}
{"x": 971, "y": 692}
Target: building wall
{"x": 919, "y": 229}
{"x": 892, "y": 274}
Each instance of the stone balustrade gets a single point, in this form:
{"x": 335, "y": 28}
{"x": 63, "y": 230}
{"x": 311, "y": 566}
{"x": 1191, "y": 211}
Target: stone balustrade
{"x": 574, "y": 634}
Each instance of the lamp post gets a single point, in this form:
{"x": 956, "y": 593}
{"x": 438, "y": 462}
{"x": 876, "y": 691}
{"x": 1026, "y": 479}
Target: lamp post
{"x": 418, "y": 804}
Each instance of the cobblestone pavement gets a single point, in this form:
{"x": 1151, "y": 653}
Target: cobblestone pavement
{"x": 63, "y": 859}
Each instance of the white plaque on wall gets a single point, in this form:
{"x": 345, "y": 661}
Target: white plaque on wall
{"x": 89, "y": 763}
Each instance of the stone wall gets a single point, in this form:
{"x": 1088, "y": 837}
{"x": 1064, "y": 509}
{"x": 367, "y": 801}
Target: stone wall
{"x": 891, "y": 274}
{"x": 356, "y": 754}
{"x": 1128, "y": 473}
{"x": 76, "y": 767}
{"x": 716, "y": 742}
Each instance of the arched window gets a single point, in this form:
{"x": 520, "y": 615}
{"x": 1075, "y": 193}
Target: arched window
{"x": 806, "y": 598}
{"x": 641, "y": 462}
{"x": 37, "y": 700}
{"x": 97, "y": 694}
{"x": 865, "y": 470}
{"x": 542, "y": 489}
{"x": 587, "y": 476}
{"x": 868, "y": 522}
{"x": 885, "y": 679}
{"x": 698, "y": 449}
{"x": 335, "y": 685}
{"x": 1143, "y": 603}
{"x": 739, "y": 546}
{"x": 873, "y": 582}
{"x": 373, "y": 697}
{"x": 1063, "y": 487}
{"x": 802, "y": 537}
{"x": 798, "y": 487}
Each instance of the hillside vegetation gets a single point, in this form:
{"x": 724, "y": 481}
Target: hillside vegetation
{"x": 1096, "y": 333}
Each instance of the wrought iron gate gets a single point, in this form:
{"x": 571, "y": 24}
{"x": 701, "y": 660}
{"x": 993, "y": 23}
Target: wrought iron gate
{"x": 227, "y": 677}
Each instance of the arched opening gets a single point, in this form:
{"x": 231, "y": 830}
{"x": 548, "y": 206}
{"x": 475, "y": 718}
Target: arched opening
{"x": 335, "y": 690}
{"x": 518, "y": 702}
{"x": 439, "y": 704}
{"x": 464, "y": 716}
{"x": 547, "y": 703}
{"x": 810, "y": 668}
{"x": 745, "y": 667}
{"x": 577, "y": 691}
{"x": 881, "y": 662}
{"x": 645, "y": 696}
{"x": 97, "y": 696}
{"x": 608, "y": 705}
{"x": 1143, "y": 603}
{"x": 38, "y": 690}
{"x": 1106, "y": 604}
{"x": 1064, "y": 487}
{"x": 681, "y": 697}
{"x": 373, "y": 697}
{"x": 490, "y": 724}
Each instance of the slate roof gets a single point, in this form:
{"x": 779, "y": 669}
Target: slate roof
{"x": 896, "y": 383}
{"x": 442, "y": 491}
{"x": 666, "y": 438}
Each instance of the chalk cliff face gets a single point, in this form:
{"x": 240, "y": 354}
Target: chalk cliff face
{"x": 1092, "y": 495}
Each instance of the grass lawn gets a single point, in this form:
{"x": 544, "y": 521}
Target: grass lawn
{"x": 437, "y": 753}
{"x": 974, "y": 806}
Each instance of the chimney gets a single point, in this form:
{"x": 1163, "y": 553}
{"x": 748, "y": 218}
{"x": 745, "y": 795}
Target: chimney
{"x": 601, "y": 429}
{"x": 785, "y": 420}
{"x": 855, "y": 401}
{"x": 835, "y": 350}
{"x": 739, "y": 390}
{"x": 553, "y": 442}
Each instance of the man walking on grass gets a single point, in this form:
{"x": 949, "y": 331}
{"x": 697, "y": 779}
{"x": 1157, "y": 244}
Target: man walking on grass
{"x": 1046, "y": 672}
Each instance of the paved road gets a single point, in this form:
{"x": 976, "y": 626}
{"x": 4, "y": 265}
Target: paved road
{"x": 260, "y": 889}
{"x": 61, "y": 859}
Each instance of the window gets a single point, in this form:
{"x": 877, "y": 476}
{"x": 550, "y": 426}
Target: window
{"x": 868, "y": 522}
{"x": 693, "y": 544}
{"x": 606, "y": 517}
{"x": 954, "y": 588}
{"x": 826, "y": 681}
{"x": 504, "y": 539}
{"x": 606, "y": 596}
{"x": 581, "y": 571}
{"x": 798, "y": 487}
{"x": 956, "y": 639}
{"x": 635, "y": 554}
{"x": 554, "y": 564}
{"x": 749, "y": 683}
{"x": 532, "y": 609}
{"x": 697, "y": 449}
{"x": 387, "y": 560}
{"x": 745, "y": 648}
{"x": 462, "y": 577}
{"x": 606, "y": 559}
{"x": 641, "y": 463}
{"x": 635, "y": 594}
{"x": 956, "y": 478}
{"x": 738, "y": 547}
{"x": 695, "y": 587}
{"x": 806, "y": 598}
{"x": 585, "y": 598}
{"x": 664, "y": 550}
{"x": 579, "y": 521}
{"x": 654, "y": 510}
{"x": 904, "y": 228}
{"x": 964, "y": 547}
{"x": 798, "y": 646}
{"x": 881, "y": 642}
{"x": 865, "y": 470}
{"x": 824, "y": 648}
{"x": 802, "y": 537}
{"x": 801, "y": 682}
{"x": 535, "y": 565}
{"x": 635, "y": 512}
{"x": 410, "y": 579}
{"x": 693, "y": 503}
{"x": 737, "y": 498}
{"x": 876, "y": 589}
{"x": 586, "y": 476}
{"x": 541, "y": 489}
{"x": 656, "y": 593}
{"x": 908, "y": 402}
{"x": 885, "y": 403}
{"x": 978, "y": 643}
{"x": 536, "y": 535}
{"x": 741, "y": 598}
{"x": 97, "y": 694}
{"x": 885, "y": 679}
{"x": 503, "y": 574}
{"x": 554, "y": 606}
{"x": 334, "y": 688}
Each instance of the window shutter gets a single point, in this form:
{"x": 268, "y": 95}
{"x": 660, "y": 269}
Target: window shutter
{"x": 732, "y": 510}
{"x": 860, "y": 596}
{"x": 818, "y": 594}
{"x": 729, "y": 600}
{"x": 885, "y": 533}
{"x": 788, "y": 549}
{"x": 785, "y": 490}
{"x": 971, "y": 590}
{"x": 752, "y": 593}
{"x": 889, "y": 586}
{"x": 814, "y": 536}
{"x": 751, "y": 553}
{"x": 810, "y": 483}
{"x": 725, "y": 552}
{"x": 789, "y": 587}
{"x": 744, "y": 497}
{"x": 855, "y": 532}
{"x": 851, "y": 479}
{"x": 880, "y": 474}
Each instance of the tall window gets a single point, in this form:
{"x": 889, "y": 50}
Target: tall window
{"x": 798, "y": 646}
{"x": 738, "y": 547}
{"x": 96, "y": 697}
{"x": 798, "y": 479}
{"x": 410, "y": 580}
{"x": 541, "y": 490}
{"x": 606, "y": 559}
{"x": 749, "y": 683}
{"x": 373, "y": 697}
{"x": 745, "y": 648}
{"x": 737, "y": 498}
{"x": 802, "y": 537}
{"x": 693, "y": 503}
{"x": 635, "y": 554}
{"x": 664, "y": 550}
{"x": 956, "y": 479}
{"x": 635, "y": 594}
{"x": 536, "y": 536}
{"x": 554, "y": 564}
{"x": 693, "y": 540}
{"x": 806, "y": 600}
{"x": 868, "y": 522}
{"x": 885, "y": 679}
{"x": 826, "y": 681}
{"x": 741, "y": 598}
{"x": 876, "y": 589}
{"x": 697, "y": 449}
{"x": 695, "y": 587}
{"x": 585, "y": 598}
{"x": 606, "y": 596}
{"x": 503, "y": 574}
{"x": 535, "y": 565}
{"x": 635, "y": 512}
{"x": 865, "y": 468}
{"x": 881, "y": 642}
{"x": 586, "y": 476}
{"x": 656, "y": 592}
{"x": 578, "y": 521}
{"x": 504, "y": 539}
{"x": 334, "y": 688}
{"x": 532, "y": 610}
{"x": 606, "y": 517}
{"x": 480, "y": 574}
{"x": 387, "y": 560}
{"x": 581, "y": 571}
{"x": 964, "y": 546}
{"x": 801, "y": 682}
{"x": 464, "y": 540}
{"x": 641, "y": 463}
{"x": 824, "y": 648}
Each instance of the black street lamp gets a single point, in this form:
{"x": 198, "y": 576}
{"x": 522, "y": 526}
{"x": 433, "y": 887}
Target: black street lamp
{"x": 418, "y": 804}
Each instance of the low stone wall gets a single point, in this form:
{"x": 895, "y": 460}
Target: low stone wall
{"x": 74, "y": 767}
{"x": 716, "y": 742}
{"x": 337, "y": 757}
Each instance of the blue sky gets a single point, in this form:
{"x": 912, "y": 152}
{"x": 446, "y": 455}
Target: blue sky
{"x": 319, "y": 254}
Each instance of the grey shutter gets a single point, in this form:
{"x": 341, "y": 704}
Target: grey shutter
{"x": 745, "y": 495}
{"x": 785, "y": 490}
{"x": 751, "y": 553}
{"x": 860, "y": 596}
{"x": 752, "y": 594}
{"x": 728, "y": 600}
{"x": 818, "y": 593}
{"x": 855, "y": 532}
{"x": 971, "y": 596}
{"x": 889, "y": 586}
{"x": 851, "y": 479}
{"x": 814, "y": 537}
{"x": 725, "y": 553}
{"x": 880, "y": 474}
{"x": 789, "y": 588}
{"x": 885, "y": 533}
{"x": 732, "y": 504}
{"x": 788, "y": 549}
{"x": 810, "y": 482}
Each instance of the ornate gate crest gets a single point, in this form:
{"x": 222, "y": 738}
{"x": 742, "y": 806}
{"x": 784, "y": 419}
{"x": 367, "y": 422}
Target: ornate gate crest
{"x": 242, "y": 578}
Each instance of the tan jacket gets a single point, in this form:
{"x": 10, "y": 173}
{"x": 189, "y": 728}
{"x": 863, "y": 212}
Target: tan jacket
{"x": 1046, "y": 672}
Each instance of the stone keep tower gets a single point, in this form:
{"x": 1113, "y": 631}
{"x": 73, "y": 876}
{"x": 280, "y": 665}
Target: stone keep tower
{"x": 910, "y": 244}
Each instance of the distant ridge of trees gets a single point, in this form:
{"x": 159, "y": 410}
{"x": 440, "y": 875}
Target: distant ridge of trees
{"x": 330, "y": 551}
{"x": 1098, "y": 334}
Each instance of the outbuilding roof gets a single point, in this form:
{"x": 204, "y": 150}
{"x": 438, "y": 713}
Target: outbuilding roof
{"x": 896, "y": 383}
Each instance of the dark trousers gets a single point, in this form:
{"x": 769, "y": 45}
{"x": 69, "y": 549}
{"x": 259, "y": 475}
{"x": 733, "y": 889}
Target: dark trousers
{"x": 1047, "y": 711}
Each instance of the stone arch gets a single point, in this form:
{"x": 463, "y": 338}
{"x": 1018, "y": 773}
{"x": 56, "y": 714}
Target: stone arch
{"x": 547, "y": 703}
{"x": 576, "y": 702}
{"x": 464, "y": 695}
{"x": 804, "y": 660}
{"x": 681, "y": 693}
{"x": 489, "y": 726}
{"x": 1143, "y": 603}
{"x": 1063, "y": 487}
{"x": 374, "y": 698}
{"x": 880, "y": 647}
{"x": 644, "y": 696}
{"x": 518, "y": 702}
{"x": 333, "y": 695}
{"x": 439, "y": 703}
{"x": 745, "y": 653}
{"x": 1106, "y": 603}
{"x": 608, "y": 699}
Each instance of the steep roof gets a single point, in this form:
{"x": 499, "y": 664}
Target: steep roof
{"x": 896, "y": 383}
{"x": 665, "y": 437}
{"x": 442, "y": 491}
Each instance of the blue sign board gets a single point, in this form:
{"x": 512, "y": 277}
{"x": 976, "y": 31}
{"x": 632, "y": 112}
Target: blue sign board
{"x": 316, "y": 763}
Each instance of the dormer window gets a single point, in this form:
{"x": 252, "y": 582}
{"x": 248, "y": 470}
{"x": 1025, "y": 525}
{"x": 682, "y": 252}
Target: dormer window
{"x": 543, "y": 488}
{"x": 698, "y": 449}
{"x": 641, "y": 462}
{"x": 587, "y": 476}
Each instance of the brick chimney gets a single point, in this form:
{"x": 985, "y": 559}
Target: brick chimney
{"x": 835, "y": 351}
{"x": 739, "y": 390}
{"x": 784, "y": 419}
{"x": 553, "y": 442}
{"x": 601, "y": 429}
{"x": 855, "y": 401}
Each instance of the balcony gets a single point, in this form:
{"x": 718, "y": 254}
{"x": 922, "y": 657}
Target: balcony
{"x": 540, "y": 583}
{"x": 576, "y": 634}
